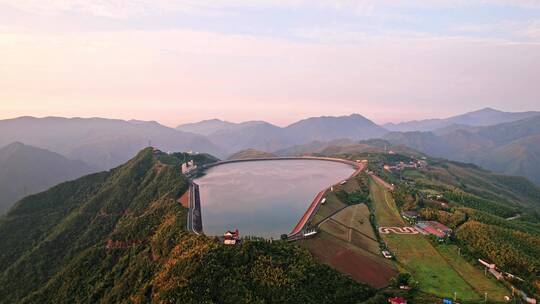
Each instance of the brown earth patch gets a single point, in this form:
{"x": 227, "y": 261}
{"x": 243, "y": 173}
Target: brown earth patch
{"x": 361, "y": 265}
{"x": 184, "y": 199}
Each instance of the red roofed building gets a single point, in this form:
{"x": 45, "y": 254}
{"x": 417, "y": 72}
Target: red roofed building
{"x": 397, "y": 300}
{"x": 231, "y": 237}
{"x": 435, "y": 228}
{"x": 440, "y": 227}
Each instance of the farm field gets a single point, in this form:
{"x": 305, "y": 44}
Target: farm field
{"x": 416, "y": 254}
{"x": 474, "y": 276}
{"x": 363, "y": 266}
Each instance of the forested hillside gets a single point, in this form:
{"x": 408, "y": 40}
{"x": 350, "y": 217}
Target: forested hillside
{"x": 510, "y": 148}
{"x": 119, "y": 237}
{"x": 494, "y": 217}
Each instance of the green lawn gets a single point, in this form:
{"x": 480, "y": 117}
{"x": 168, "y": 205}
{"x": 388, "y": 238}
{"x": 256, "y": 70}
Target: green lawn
{"x": 474, "y": 276}
{"x": 386, "y": 210}
{"x": 434, "y": 275}
{"x": 352, "y": 225}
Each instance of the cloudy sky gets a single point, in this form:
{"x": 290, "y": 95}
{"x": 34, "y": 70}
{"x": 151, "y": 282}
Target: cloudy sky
{"x": 182, "y": 61}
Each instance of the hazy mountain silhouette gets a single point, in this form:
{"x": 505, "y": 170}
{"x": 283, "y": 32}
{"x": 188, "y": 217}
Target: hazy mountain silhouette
{"x": 208, "y": 127}
{"x": 26, "y": 170}
{"x": 104, "y": 143}
{"x": 326, "y": 128}
{"x": 512, "y": 147}
{"x": 268, "y": 137}
{"x": 483, "y": 117}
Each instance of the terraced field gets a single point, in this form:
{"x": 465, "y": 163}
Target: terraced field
{"x": 346, "y": 240}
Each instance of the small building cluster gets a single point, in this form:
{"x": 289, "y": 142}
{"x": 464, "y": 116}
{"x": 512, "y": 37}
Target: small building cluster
{"x": 433, "y": 228}
{"x": 414, "y": 164}
{"x": 231, "y": 237}
{"x": 188, "y": 167}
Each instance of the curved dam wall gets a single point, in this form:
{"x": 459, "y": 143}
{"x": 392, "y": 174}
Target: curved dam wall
{"x": 263, "y": 198}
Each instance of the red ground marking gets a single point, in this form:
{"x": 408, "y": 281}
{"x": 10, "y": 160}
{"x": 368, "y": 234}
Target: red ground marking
{"x": 184, "y": 199}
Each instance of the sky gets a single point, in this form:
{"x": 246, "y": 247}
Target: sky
{"x": 279, "y": 61}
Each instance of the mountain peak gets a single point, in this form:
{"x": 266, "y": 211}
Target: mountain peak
{"x": 17, "y": 146}
{"x": 486, "y": 110}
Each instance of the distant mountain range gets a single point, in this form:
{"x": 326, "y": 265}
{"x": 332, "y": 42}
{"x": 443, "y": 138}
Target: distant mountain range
{"x": 208, "y": 127}
{"x": 102, "y": 143}
{"x": 500, "y": 141}
{"x": 268, "y": 137}
{"x": 26, "y": 170}
{"x": 512, "y": 148}
{"x": 483, "y": 117}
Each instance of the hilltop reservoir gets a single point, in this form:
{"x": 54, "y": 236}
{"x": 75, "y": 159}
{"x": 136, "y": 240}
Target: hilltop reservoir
{"x": 264, "y": 198}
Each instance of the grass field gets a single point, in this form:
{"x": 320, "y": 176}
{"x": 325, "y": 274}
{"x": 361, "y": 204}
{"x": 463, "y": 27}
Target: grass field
{"x": 356, "y": 217}
{"x": 474, "y": 276}
{"x": 417, "y": 255}
{"x": 386, "y": 210}
{"x": 352, "y": 225}
{"x": 434, "y": 275}
{"x": 331, "y": 206}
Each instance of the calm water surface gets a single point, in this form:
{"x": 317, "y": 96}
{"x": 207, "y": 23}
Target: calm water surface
{"x": 263, "y": 198}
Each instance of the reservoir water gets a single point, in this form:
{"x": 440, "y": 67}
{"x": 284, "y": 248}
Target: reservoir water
{"x": 263, "y": 198}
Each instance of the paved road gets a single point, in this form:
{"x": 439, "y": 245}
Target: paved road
{"x": 382, "y": 182}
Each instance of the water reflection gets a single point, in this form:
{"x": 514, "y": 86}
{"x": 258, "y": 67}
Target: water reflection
{"x": 263, "y": 198}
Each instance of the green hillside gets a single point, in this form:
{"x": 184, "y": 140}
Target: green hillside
{"x": 494, "y": 217}
{"x": 119, "y": 237}
{"x": 510, "y": 148}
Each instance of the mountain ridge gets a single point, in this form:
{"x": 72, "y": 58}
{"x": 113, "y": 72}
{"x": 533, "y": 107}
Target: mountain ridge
{"x": 120, "y": 236}
{"x": 103, "y": 143}
{"x": 27, "y": 170}
{"x": 483, "y": 117}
